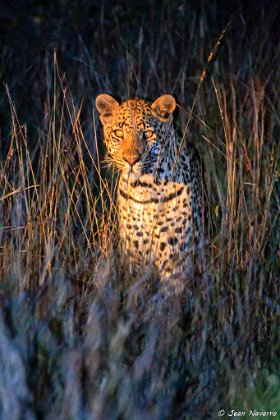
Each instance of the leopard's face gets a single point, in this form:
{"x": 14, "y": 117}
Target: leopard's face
{"x": 136, "y": 133}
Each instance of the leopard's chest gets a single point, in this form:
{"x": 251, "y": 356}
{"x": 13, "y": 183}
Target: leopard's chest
{"x": 155, "y": 219}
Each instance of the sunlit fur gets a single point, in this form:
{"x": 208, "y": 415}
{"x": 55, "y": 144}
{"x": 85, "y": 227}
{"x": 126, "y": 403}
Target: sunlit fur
{"x": 136, "y": 116}
{"x": 159, "y": 194}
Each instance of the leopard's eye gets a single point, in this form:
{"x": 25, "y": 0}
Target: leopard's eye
{"x": 119, "y": 133}
{"x": 148, "y": 134}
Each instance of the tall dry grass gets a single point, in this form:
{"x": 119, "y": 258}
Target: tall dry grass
{"x": 75, "y": 342}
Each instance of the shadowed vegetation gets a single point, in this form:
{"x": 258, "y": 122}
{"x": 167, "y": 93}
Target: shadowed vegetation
{"x": 75, "y": 341}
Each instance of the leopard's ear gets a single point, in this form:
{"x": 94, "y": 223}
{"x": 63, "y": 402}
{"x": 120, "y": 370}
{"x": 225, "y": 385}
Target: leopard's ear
{"x": 163, "y": 107}
{"x": 105, "y": 105}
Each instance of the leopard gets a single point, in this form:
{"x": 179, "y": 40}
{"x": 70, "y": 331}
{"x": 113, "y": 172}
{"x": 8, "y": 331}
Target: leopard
{"x": 160, "y": 188}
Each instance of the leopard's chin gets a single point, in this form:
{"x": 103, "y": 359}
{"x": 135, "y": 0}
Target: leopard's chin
{"x": 133, "y": 174}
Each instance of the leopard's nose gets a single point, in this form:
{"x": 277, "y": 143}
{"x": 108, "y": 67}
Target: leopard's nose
{"x": 132, "y": 160}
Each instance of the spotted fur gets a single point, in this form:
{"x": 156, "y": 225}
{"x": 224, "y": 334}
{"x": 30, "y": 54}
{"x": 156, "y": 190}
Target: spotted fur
{"x": 159, "y": 195}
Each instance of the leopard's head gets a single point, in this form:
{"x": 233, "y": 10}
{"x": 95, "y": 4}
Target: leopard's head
{"x": 135, "y": 132}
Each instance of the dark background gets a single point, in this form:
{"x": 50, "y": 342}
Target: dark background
{"x": 126, "y": 48}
